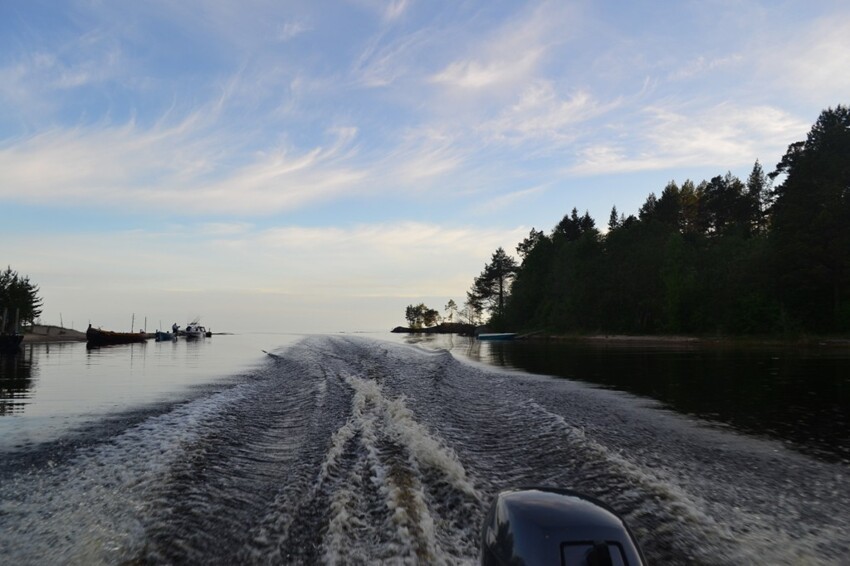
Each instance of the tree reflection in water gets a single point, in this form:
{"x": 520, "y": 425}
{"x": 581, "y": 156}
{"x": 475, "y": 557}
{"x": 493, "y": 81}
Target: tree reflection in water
{"x": 16, "y": 372}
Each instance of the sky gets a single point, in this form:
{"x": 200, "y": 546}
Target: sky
{"x": 316, "y": 166}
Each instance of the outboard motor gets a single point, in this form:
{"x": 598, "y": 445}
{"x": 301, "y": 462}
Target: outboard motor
{"x": 553, "y": 526}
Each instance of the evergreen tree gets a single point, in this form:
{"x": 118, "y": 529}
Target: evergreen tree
{"x": 491, "y": 288}
{"x": 648, "y": 209}
{"x": 525, "y": 304}
{"x": 690, "y": 208}
{"x": 758, "y": 198}
{"x": 528, "y": 244}
{"x": 811, "y": 224}
{"x": 613, "y": 219}
{"x": 569, "y": 228}
{"x": 668, "y": 208}
{"x": 723, "y": 205}
{"x": 18, "y": 293}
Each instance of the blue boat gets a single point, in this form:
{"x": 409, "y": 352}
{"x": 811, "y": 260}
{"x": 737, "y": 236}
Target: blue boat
{"x": 497, "y": 336}
{"x": 162, "y": 336}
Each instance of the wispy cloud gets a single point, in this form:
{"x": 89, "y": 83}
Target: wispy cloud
{"x": 195, "y": 166}
{"x": 541, "y": 115}
{"x": 387, "y": 10}
{"x": 477, "y": 74}
{"x": 510, "y": 55}
{"x": 423, "y": 154}
{"x": 815, "y": 65}
{"x": 292, "y": 29}
{"x": 505, "y": 201}
{"x": 386, "y": 59}
{"x": 724, "y": 135}
{"x": 702, "y": 65}
{"x": 396, "y": 8}
{"x": 129, "y": 163}
{"x": 37, "y": 82}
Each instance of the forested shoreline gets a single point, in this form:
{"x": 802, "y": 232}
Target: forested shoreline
{"x": 768, "y": 255}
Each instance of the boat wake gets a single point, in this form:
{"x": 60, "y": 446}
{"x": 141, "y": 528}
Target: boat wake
{"x": 345, "y": 450}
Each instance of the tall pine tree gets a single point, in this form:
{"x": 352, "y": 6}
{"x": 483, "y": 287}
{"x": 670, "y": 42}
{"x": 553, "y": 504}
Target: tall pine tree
{"x": 811, "y": 224}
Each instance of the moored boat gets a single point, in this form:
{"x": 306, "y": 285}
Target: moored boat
{"x": 163, "y": 336}
{"x": 194, "y": 330}
{"x": 98, "y": 337}
{"x": 497, "y": 336}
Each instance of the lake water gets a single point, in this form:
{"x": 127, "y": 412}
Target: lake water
{"x": 49, "y": 390}
{"x": 361, "y": 448}
{"x": 799, "y": 395}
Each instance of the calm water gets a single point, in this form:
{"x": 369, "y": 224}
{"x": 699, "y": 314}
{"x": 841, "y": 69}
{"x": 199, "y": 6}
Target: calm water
{"x": 48, "y": 390}
{"x": 355, "y": 449}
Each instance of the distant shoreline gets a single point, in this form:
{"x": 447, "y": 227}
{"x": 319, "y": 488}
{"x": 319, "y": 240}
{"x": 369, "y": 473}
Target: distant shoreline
{"x": 47, "y": 334}
{"x": 683, "y": 340}
{"x": 650, "y": 340}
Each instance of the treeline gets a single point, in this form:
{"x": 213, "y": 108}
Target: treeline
{"x": 726, "y": 255}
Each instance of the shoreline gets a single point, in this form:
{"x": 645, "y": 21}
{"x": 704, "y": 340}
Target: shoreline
{"x": 42, "y": 334}
{"x": 54, "y": 334}
{"x": 696, "y": 341}
{"x": 663, "y": 340}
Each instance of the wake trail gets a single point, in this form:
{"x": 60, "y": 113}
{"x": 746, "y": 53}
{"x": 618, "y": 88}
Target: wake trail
{"x": 346, "y": 450}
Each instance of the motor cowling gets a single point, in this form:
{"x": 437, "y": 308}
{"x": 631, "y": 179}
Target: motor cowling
{"x": 543, "y": 525}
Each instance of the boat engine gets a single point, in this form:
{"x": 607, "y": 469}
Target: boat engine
{"x": 551, "y": 526}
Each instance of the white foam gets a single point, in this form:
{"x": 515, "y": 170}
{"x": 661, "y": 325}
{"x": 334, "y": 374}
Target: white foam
{"x": 721, "y": 539}
{"x": 88, "y": 511}
{"x": 377, "y": 420}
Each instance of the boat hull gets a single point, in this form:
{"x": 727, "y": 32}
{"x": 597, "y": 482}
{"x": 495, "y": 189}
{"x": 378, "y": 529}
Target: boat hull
{"x": 195, "y": 331}
{"x": 498, "y": 336}
{"x": 164, "y": 336}
{"x": 98, "y": 337}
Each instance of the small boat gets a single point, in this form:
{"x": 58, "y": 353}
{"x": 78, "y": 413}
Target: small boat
{"x": 9, "y": 343}
{"x": 162, "y": 336}
{"x": 194, "y": 330}
{"x": 497, "y": 336}
{"x": 98, "y": 337}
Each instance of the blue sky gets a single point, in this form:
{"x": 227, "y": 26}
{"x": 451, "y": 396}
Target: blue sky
{"x": 316, "y": 166}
